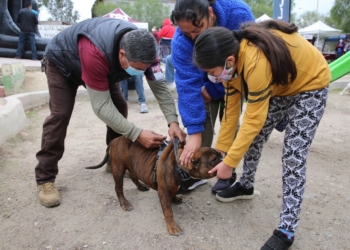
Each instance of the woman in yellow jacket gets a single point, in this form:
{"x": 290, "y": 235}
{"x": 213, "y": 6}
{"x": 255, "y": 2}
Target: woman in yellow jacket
{"x": 281, "y": 75}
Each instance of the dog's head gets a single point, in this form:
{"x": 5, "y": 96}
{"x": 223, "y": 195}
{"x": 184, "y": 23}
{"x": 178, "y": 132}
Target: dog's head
{"x": 202, "y": 161}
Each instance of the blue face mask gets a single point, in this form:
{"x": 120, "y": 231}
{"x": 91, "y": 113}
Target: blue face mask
{"x": 131, "y": 71}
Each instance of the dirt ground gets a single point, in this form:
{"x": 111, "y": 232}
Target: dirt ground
{"x": 90, "y": 216}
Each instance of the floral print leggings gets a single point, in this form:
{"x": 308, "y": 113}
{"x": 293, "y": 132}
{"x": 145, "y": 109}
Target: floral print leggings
{"x": 304, "y": 112}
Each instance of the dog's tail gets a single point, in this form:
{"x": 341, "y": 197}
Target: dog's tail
{"x": 103, "y": 161}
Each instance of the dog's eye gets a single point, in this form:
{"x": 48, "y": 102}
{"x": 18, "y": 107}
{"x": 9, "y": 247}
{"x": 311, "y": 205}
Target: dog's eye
{"x": 195, "y": 162}
{"x": 214, "y": 159}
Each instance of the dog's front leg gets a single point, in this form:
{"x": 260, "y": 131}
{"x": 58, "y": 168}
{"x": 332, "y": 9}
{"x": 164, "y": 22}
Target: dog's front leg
{"x": 165, "y": 199}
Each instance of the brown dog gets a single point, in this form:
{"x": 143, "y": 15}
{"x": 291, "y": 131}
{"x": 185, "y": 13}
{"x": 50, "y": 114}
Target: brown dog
{"x": 140, "y": 161}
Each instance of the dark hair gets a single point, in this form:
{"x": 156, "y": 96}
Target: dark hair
{"x": 27, "y": 3}
{"x": 215, "y": 44}
{"x": 191, "y": 10}
{"x": 139, "y": 46}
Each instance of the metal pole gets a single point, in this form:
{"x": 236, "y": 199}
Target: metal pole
{"x": 318, "y": 35}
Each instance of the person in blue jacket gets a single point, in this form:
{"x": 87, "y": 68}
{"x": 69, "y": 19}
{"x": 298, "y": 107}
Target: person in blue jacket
{"x": 198, "y": 98}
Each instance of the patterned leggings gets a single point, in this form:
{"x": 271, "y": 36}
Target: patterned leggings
{"x": 304, "y": 112}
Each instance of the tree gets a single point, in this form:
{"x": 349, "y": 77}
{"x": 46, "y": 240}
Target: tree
{"x": 100, "y": 8}
{"x": 151, "y": 11}
{"x": 340, "y": 14}
{"x": 261, "y": 7}
{"x": 42, "y": 3}
{"x": 62, "y": 10}
{"x": 307, "y": 18}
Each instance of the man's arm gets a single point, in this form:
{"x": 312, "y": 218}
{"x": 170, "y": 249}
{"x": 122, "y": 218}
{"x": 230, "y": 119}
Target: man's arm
{"x": 19, "y": 17}
{"x": 104, "y": 109}
{"x": 157, "y": 83}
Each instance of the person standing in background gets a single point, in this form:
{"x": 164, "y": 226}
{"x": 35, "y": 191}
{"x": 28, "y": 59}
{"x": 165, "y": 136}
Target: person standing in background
{"x": 169, "y": 72}
{"x": 27, "y": 21}
{"x": 166, "y": 35}
{"x": 347, "y": 44}
{"x": 339, "y": 49}
{"x": 155, "y": 33}
{"x": 139, "y": 90}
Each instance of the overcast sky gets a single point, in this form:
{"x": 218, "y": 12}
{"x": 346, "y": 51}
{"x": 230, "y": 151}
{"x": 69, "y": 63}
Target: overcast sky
{"x": 324, "y": 6}
{"x": 84, "y": 7}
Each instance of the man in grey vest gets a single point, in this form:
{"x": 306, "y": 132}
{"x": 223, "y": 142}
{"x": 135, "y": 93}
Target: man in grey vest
{"x": 97, "y": 53}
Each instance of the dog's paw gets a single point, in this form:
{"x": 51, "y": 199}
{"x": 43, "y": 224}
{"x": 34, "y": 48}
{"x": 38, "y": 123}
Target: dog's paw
{"x": 173, "y": 229}
{"x": 142, "y": 187}
{"x": 126, "y": 206}
{"x": 177, "y": 199}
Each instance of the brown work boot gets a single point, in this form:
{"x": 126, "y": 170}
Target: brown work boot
{"x": 48, "y": 195}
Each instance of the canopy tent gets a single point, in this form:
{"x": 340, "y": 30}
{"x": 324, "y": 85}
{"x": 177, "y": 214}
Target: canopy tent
{"x": 262, "y": 18}
{"x": 118, "y": 13}
{"x": 320, "y": 29}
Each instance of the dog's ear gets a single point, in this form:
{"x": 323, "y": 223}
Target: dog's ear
{"x": 181, "y": 145}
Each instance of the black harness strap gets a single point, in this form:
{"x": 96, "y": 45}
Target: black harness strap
{"x": 160, "y": 151}
{"x": 182, "y": 175}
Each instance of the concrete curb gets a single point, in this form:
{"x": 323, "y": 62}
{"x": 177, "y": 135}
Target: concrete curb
{"x": 12, "y": 119}
{"x": 12, "y": 114}
{"x": 12, "y": 77}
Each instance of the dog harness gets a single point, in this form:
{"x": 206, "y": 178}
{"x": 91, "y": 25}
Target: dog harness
{"x": 182, "y": 174}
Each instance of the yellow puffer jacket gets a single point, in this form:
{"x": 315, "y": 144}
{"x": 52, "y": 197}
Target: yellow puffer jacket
{"x": 312, "y": 73}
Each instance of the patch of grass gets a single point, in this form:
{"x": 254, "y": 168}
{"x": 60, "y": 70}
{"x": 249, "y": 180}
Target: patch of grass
{"x": 337, "y": 90}
{"x": 31, "y": 113}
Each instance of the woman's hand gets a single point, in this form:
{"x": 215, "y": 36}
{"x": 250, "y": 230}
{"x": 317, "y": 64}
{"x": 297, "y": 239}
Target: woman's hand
{"x": 192, "y": 145}
{"x": 205, "y": 94}
{"x": 223, "y": 171}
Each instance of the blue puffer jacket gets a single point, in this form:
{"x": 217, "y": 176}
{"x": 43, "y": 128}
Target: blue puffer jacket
{"x": 189, "y": 78}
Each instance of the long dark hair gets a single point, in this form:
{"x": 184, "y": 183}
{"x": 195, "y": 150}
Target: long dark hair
{"x": 191, "y": 10}
{"x": 214, "y": 45}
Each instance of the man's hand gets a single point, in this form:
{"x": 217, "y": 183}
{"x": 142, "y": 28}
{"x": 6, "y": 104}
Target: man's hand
{"x": 223, "y": 171}
{"x": 150, "y": 139}
{"x": 205, "y": 94}
{"x": 176, "y": 131}
{"x": 192, "y": 145}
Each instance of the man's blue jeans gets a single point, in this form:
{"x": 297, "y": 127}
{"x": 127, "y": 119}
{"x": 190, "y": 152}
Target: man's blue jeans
{"x": 169, "y": 70}
{"x": 165, "y": 44}
{"x": 23, "y": 37}
{"x": 139, "y": 88}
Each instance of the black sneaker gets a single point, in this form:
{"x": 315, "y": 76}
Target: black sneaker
{"x": 223, "y": 184}
{"x": 278, "y": 241}
{"x": 191, "y": 184}
{"x": 235, "y": 192}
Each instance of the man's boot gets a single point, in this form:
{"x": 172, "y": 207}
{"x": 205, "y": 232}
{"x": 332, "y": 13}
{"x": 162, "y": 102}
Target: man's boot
{"x": 48, "y": 195}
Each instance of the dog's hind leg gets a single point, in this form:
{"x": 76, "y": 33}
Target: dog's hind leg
{"x": 177, "y": 199}
{"x": 124, "y": 203}
{"x": 140, "y": 186}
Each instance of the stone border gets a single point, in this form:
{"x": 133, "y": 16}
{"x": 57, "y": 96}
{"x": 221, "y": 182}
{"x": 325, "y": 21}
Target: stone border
{"x": 12, "y": 77}
{"x": 12, "y": 116}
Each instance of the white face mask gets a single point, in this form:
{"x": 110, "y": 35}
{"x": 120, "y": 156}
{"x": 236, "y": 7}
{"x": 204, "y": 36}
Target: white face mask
{"x": 225, "y": 75}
